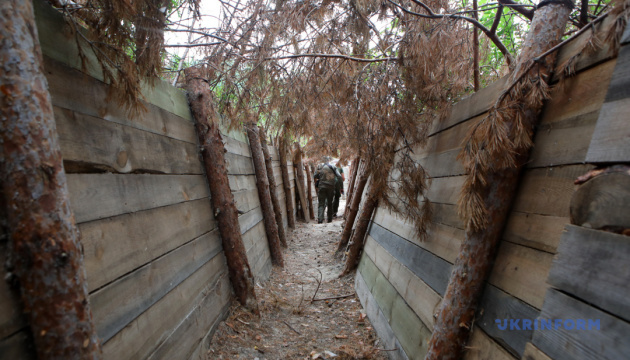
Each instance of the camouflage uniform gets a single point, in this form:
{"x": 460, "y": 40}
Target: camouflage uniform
{"x": 327, "y": 177}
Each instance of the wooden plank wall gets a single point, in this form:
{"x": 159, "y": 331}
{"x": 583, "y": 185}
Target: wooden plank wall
{"x": 156, "y": 272}
{"x": 401, "y": 280}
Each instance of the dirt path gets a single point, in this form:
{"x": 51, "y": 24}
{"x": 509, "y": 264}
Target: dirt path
{"x": 290, "y": 325}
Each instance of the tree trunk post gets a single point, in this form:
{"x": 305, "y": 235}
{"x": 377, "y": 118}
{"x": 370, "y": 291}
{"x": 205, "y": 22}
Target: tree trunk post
{"x": 353, "y": 176}
{"x": 309, "y": 190}
{"x": 262, "y": 183}
{"x": 353, "y": 210}
{"x": 356, "y": 245}
{"x": 45, "y": 253}
{"x": 286, "y": 183}
{"x": 201, "y": 103}
{"x": 272, "y": 188}
{"x": 299, "y": 167}
{"x": 474, "y": 262}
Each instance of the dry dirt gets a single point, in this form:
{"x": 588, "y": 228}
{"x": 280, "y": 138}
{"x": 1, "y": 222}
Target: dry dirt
{"x": 291, "y": 325}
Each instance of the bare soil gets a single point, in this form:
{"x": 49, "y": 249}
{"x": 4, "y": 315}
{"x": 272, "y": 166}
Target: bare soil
{"x": 294, "y": 323}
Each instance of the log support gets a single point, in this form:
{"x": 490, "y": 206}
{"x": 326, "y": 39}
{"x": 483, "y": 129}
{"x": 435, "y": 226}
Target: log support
{"x": 358, "y": 237}
{"x": 354, "y": 170}
{"x": 277, "y": 210}
{"x": 212, "y": 150}
{"x": 353, "y": 210}
{"x": 286, "y": 183}
{"x": 309, "y": 190}
{"x": 45, "y": 257}
{"x": 299, "y": 168}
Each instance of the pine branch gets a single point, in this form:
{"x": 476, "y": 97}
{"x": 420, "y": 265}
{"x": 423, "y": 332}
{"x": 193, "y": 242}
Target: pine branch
{"x": 334, "y": 56}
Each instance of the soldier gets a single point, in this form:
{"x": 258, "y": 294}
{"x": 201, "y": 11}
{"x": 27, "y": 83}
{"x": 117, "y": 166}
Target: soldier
{"x": 338, "y": 188}
{"x": 325, "y": 177}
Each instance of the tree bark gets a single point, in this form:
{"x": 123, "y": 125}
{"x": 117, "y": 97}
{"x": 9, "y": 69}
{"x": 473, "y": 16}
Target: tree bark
{"x": 354, "y": 210}
{"x": 277, "y": 210}
{"x": 356, "y": 245}
{"x": 262, "y": 183}
{"x": 212, "y": 150}
{"x": 286, "y": 183}
{"x": 45, "y": 255}
{"x": 309, "y": 188}
{"x": 474, "y": 262}
{"x": 475, "y": 49}
{"x": 353, "y": 176}
{"x": 299, "y": 167}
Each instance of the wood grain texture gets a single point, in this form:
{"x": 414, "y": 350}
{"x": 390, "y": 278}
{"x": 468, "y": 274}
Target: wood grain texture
{"x": 620, "y": 83}
{"x": 123, "y": 243}
{"x": 593, "y": 265}
{"x": 482, "y": 347}
{"x": 143, "y": 334}
{"x": 250, "y": 219}
{"x": 238, "y": 164}
{"x": 236, "y": 147}
{"x": 610, "y": 342}
{"x": 246, "y": 200}
{"x": 540, "y": 232}
{"x": 534, "y": 353}
{"x": 118, "y": 304}
{"x": 97, "y": 196}
{"x": 18, "y": 346}
{"x": 521, "y": 272}
{"x": 102, "y": 144}
{"x": 433, "y": 270}
{"x": 611, "y": 138}
{"x": 445, "y": 190}
{"x": 497, "y": 304}
{"x": 418, "y": 295}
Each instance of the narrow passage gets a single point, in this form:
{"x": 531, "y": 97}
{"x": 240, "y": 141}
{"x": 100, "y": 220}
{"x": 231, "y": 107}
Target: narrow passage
{"x": 290, "y": 325}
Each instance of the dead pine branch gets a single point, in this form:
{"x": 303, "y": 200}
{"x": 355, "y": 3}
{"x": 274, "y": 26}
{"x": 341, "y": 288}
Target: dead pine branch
{"x": 319, "y": 283}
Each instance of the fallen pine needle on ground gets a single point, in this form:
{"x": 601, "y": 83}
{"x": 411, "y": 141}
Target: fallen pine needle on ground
{"x": 306, "y": 311}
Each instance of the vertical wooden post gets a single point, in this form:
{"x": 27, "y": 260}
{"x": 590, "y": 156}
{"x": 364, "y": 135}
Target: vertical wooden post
{"x": 212, "y": 150}
{"x": 277, "y": 210}
{"x": 309, "y": 181}
{"x": 358, "y": 238}
{"x": 286, "y": 183}
{"x": 299, "y": 166}
{"x": 353, "y": 210}
{"x": 474, "y": 262}
{"x": 262, "y": 183}
{"x": 353, "y": 176}
{"x": 44, "y": 250}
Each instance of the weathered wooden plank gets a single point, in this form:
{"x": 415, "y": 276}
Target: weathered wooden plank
{"x": 445, "y": 190}
{"x": 97, "y": 196}
{"x": 521, "y": 272}
{"x": 442, "y": 240}
{"x": 481, "y": 347}
{"x": 540, "y": 232}
{"x": 275, "y": 155}
{"x": 250, "y": 219}
{"x": 443, "y": 164}
{"x": 73, "y": 90}
{"x": 252, "y": 240}
{"x": 236, "y": 147}
{"x": 246, "y": 200}
{"x": 142, "y": 336}
{"x": 182, "y": 342}
{"x": 472, "y": 105}
{"x": 607, "y": 340}
{"x": 498, "y": 305}
{"x": 19, "y": 346}
{"x": 378, "y": 320}
{"x": 123, "y": 243}
{"x": 168, "y": 97}
{"x": 446, "y": 214}
{"x": 548, "y": 191}
{"x": 620, "y": 82}
{"x": 237, "y": 134}
{"x": 611, "y": 138}
{"x": 418, "y": 295}
{"x": 433, "y": 270}
{"x": 119, "y": 303}
{"x": 90, "y": 141}
{"x": 239, "y": 165}
{"x": 593, "y": 266}
{"x": 534, "y": 353}
{"x": 11, "y": 317}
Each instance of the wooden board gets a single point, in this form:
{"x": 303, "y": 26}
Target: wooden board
{"x": 250, "y": 219}
{"x": 119, "y": 303}
{"x": 418, "y": 295}
{"x": 246, "y": 200}
{"x": 101, "y": 144}
{"x": 242, "y": 182}
{"x": 236, "y": 147}
{"x": 70, "y": 89}
{"x": 378, "y": 320}
{"x": 433, "y": 270}
{"x": 146, "y": 332}
{"x": 611, "y": 138}
{"x": 540, "y": 232}
{"x": 239, "y": 165}
{"x": 445, "y": 190}
{"x": 593, "y": 265}
{"x": 610, "y": 342}
{"x": 183, "y": 341}
{"x": 411, "y": 333}
{"x": 496, "y": 304}
{"x": 303, "y": 199}
{"x": 625, "y": 39}
{"x": 481, "y": 347}
{"x": 19, "y": 346}
{"x": 442, "y": 240}
{"x": 446, "y": 214}
{"x": 123, "y": 243}
{"x": 534, "y": 353}
{"x": 97, "y": 196}
{"x": 548, "y": 191}
{"x": 521, "y": 272}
